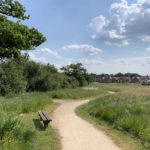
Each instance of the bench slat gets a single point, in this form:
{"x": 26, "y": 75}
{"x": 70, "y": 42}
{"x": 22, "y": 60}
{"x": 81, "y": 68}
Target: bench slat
{"x": 42, "y": 116}
{"x": 46, "y": 116}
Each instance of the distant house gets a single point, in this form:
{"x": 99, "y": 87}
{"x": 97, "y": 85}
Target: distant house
{"x": 122, "y": 79}
{"x": 106, "y": 79}
{"x": 145, "y": 80}
{"x": 135, "y": 79}
{"x": 115, "y": 79}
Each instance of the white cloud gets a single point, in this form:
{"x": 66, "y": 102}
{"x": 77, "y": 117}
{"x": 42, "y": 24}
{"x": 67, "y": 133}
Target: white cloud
{"x": 147, "y": 49}
{"x": 50, "y": 52}
{"x": 36, "y": 58}
{"x": 99, "y": 23}
{"x": 89, "y": 49}
{"x": 139, "y": 65}
{"x": 127, "y": 22}
{"x": 86, "y": 61}
{"x": 43, "y": 55}
{"x": 96, "y": 65}
{"x": 118, "y": 44}
{"x": 145, "y": 38}
{"x": 133, "y": 60}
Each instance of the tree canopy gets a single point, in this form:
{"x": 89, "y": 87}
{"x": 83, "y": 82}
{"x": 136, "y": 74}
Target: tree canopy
{"x": 77, "y": 71}
{"x": 14, "y": 35}
{"x": 13, "y": 8}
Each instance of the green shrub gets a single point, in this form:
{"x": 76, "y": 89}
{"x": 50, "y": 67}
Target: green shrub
{"x": 69, "y": 82}
{"x": 46, "y": 78}
{"x": 11, "y": 78}
{"x": 24, "y": 75}
{"x": 16, "y": 136}
{"x": 7, "y": 125}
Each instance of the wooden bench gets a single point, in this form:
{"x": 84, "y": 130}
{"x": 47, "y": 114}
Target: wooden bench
{"x": 44, "y": 117}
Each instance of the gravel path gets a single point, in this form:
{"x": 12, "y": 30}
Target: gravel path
{"x": 76, "y": 133}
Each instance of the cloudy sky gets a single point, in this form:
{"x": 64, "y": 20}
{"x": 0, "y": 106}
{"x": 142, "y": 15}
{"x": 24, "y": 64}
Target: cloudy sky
{"x": 106, "y": 36}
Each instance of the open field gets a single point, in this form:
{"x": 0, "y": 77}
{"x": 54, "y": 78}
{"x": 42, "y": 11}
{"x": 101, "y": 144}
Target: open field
{"x": 78, "y": 93}
{"x": 122, "y": 110}
{"x": 126, "y": 111}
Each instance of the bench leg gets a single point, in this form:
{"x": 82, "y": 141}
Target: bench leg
{"x": 45, "y": 124}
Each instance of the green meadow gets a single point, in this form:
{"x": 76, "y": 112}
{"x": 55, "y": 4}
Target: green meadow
{"x": 126, "y": 111}
{"x": 20, "y": 127}
{"x": 121, "y": 110}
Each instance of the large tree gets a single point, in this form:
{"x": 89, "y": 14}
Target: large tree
{"x": 77, "y": 71}
{"x": 14, "y": 36}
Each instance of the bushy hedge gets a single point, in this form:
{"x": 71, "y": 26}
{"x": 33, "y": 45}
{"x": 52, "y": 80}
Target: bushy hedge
{"x": 24, "y": 75}
{"x": 11, "y": 78}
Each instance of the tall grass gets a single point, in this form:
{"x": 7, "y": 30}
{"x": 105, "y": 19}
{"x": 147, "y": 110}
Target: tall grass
{"x": 21, "y": 130}
{"x": 14, "y": 134}
{"x": 126, "y": 112}
{"x": 78, "y": 93}
{"x": 17, "y": 113}
{"x": 25, "y": 103}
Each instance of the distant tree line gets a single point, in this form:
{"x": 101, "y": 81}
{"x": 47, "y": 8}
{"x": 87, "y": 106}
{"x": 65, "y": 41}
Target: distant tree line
{"x": 117, "y": 75}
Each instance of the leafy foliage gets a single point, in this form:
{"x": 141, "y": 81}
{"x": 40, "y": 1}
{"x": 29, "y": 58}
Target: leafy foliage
{"x": 77, "y": 71}
{"x": 15, "y": 36}
{"x": 46, "y": 78}
{"x": 11, "y": 78}
{"x": 13, "y": 8}
{"x": 25, "y": 75}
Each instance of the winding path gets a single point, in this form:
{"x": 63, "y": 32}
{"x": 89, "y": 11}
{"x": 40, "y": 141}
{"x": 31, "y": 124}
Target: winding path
{"x": 76, "y": 133}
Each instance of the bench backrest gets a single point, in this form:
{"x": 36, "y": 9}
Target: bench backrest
{"x": 44, "y": 116}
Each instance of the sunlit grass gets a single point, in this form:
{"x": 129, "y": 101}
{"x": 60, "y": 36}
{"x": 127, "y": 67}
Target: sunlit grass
{"x": 17, "y": 128}
{"x": 127, "y": 110}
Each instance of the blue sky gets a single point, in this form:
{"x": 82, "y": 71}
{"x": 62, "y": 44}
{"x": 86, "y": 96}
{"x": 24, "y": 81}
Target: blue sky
{"x": 106, "y": 36}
